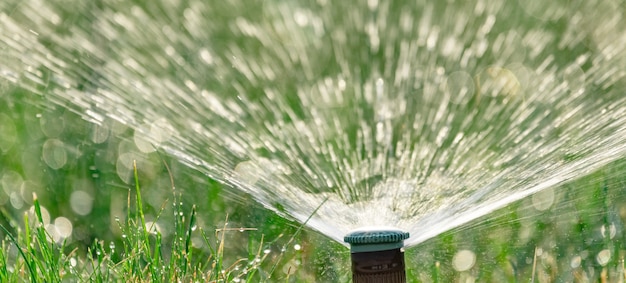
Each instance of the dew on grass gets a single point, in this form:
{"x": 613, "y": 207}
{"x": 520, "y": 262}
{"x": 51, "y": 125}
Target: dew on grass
{"x": 297, "y": 247}
{"x": 266, "y": 251}
{"x": 112, "y": 246}
{"x": 153, "y": 227}
{"x": 73, "y": 262}
{"x": 124, "y": 236}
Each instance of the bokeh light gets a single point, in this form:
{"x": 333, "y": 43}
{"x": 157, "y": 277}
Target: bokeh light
{"x": 54, "y": 153}
{"x": 463, "y": 260}
{"x": 81, "y": 202}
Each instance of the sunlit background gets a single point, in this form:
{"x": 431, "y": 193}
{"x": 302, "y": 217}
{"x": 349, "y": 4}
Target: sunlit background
{"x": 492, "y": 131}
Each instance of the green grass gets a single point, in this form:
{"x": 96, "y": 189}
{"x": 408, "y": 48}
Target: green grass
{"x": 31, "y": 254}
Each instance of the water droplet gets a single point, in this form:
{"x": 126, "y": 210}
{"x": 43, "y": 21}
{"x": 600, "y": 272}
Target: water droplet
{"x": 63, "y": 226}
{"x": 248, "y": 172}
{"x": 194, "y": 227}
{"x": 124, "y": 236}
{"x": 297, "y": 247}
{"x": 463, "y": 260}
{"x": 266, "y": 251}
{"x": 603, "y": 257}
{"x": 575, "y": 263}
{"x": 609, "y": 231}
{"x": 54, "y": 153}
{"x": 81, "y": 202}
{"x": 543, "y": 200}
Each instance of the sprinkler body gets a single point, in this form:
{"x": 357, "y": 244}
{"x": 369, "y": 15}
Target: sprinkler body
{"x": 377, "y": 255}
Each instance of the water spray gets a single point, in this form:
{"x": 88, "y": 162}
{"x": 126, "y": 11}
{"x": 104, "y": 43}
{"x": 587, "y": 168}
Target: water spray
{"x": 377, "y": 255}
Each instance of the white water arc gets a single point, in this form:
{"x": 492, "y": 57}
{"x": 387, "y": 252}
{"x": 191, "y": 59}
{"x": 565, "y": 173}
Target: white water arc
{"x": 418, "y": 115}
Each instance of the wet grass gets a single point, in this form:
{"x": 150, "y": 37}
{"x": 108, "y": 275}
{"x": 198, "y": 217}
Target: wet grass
{"x": 30, "y": 253}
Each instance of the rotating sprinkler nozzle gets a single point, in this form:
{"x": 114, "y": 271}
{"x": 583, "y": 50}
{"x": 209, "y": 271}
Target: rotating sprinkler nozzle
{"x": 377, "y": 255}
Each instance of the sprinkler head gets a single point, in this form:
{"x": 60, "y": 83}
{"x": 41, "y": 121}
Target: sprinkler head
{"x": 377, "y": 255}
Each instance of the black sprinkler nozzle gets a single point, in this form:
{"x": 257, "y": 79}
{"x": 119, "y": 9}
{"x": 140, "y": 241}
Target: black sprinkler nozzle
{"x": 377, "y": 255}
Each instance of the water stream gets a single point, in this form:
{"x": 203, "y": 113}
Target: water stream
{"x": 422, "y": 115}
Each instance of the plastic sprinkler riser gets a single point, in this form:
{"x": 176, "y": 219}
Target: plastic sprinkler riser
{"x": 377, "y": 255}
